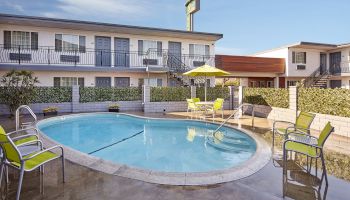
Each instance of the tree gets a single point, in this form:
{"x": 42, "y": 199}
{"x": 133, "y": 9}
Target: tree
{"x": 18, "y": 88}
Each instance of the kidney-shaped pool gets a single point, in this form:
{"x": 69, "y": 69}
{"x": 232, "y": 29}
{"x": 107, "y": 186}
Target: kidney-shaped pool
{"x": 154, "y": 144}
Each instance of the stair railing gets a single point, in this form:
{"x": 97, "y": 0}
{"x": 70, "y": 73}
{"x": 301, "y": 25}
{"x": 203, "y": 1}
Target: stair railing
{"x": 315, "y": 76}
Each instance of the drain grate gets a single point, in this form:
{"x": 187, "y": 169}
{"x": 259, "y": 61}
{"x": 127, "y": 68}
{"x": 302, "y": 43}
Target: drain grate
{"x": 122, "y": 140}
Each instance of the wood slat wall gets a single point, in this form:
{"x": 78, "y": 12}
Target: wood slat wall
{"x": 250, "y": 64}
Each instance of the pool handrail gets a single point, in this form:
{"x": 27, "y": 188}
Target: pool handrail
{"x": 30, "y": 112}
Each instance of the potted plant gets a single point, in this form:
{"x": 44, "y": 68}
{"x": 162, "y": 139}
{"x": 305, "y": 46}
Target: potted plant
{"x": 50, "y": 111}
{"x": 113, "y": 108}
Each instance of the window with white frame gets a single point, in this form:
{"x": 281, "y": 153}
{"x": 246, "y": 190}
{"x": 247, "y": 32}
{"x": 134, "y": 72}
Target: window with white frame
{"x": 66, "y": 42}
{"x": 298, "y": 57}
{"x": 68, "y": 81}
{"x": 153, "y": 82}
{"x": 145, "y": 45}
{"x": 291, "y": 83}
{"x": 199, "y": 49}
{"x": 21, "y": 39}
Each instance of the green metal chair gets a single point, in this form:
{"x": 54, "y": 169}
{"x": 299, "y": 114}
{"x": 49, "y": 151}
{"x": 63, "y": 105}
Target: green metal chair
{"x": 217, "y": 106}
{"x": 191, "y": 106}
{"x": 12, "y": 157}
{"x": 302, "y": 124}
{"x": 196, "y": 100}
{"x": 308, "y": 145}
{"x": 20, "y": 139}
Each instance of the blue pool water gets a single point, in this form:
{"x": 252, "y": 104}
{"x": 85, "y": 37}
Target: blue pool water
{"x": 161, "y": 145}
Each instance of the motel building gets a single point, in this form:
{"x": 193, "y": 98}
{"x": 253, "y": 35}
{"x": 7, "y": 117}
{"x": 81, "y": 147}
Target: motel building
{"x": 64, "y": 52}
{"x": 320, "y": 65}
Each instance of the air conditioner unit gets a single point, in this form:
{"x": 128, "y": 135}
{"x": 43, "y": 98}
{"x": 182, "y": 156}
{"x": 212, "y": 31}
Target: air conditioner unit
{"x": 301, "y": 67}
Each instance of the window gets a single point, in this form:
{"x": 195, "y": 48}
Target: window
{"x": 291, "y": 83}
{"x": 270, "y": 84}
{"x": 298, "y": 57}
{"x": 121, "y": 82}
{"x": 199, "y": 49}
{"x": 25, "y": 40}
{"x": 68, "y": 81}
{"x": 64, "y": 42}
{"x": 145, "y": 45}
{"x": 153, "y": 82}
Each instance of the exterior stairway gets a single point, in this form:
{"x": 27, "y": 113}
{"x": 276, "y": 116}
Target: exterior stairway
{"x": 321, "y": 82}
{"x": 318, "y": 79}
{"x": 176, "y": 68}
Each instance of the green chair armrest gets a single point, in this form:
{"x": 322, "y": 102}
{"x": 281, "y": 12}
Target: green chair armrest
{"x": 31, "y": 143}
{"x": 277, "y": 122}
{"x": 22, "y": 130}
{"x": 43, "y": 151}
{"x": 25, "y": 136}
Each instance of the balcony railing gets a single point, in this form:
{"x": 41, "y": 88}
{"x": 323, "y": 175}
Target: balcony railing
{"x": 25, "y": 55}
{"x": 339, "y": 68}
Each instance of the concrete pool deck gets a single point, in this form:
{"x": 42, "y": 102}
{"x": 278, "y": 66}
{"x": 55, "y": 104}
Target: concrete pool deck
{"x": 85, "y": 183}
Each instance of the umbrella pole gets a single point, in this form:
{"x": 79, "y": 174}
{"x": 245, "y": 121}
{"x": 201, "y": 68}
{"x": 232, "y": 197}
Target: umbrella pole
{"x": 205, "y": 88}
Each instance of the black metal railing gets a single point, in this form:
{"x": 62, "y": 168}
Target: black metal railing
{"x": 338, "y": 68}
{"x": 315, "y": 76}
{"x": 99, "y": 57}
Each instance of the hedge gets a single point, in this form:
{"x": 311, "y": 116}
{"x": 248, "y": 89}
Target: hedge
{"x": 95, "y": 94}
{"x": 213, "y": 93}
{"x": 48, "y": 95}
{"x": 159, "y": 94}
{"x": 274, "y": 97}
{"x": 325, "y": 101}
{"x": 52, "y": 95}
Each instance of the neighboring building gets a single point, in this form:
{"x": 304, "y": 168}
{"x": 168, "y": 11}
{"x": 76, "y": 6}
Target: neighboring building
{"x": 69, "y": 52}
{"x": 317, "y": 64}
{"x": 253, "y": 71}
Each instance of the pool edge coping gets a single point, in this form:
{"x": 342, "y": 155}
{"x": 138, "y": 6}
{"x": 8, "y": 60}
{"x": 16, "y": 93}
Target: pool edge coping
{"x": 249, "y": 167}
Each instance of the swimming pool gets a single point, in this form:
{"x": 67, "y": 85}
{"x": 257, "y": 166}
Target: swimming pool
{"x": 153, "y": 144}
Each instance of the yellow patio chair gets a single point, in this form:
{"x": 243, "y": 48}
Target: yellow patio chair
{"x": 191, "y": 106}
{"x": 12, "y": 157}
{"x": 218, "y": 106}
{"x": 302, "y": 124}
{"x": 308, "y": 145}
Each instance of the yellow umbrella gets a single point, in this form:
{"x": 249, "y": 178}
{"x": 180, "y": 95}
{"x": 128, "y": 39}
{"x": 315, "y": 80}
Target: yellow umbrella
{"x": 205, "y": 71}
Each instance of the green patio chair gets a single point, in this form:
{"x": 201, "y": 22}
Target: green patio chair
{"x": 196, "y": 100}
{"x": 191, "y": 106}
{"x": 12, "y": 157}
{"x": 308, "y": 145}
{"x": 20, "y": 139}
{"x": 302, "y": 124}
{"x": 217, "y": 106}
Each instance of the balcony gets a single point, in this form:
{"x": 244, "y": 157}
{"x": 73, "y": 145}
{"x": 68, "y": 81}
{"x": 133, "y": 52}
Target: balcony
{"x": 99, "y": 59}
{"x": 340, "y": 68}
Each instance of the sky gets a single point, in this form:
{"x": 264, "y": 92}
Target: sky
{"x": 248, "y": 26}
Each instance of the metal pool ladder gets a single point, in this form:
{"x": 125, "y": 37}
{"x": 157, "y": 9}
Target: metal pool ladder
{"x": 229, "y": 140}
{"x": 25, "y": 124}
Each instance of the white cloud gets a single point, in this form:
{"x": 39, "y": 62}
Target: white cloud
{"x": 100, "y": 8}
{"x": 229, "y": 51}
{"x": 14, "y": 6}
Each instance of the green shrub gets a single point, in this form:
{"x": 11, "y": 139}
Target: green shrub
{"x": 159, "y": 94}
{"x": 45, "y": 95}
{"x": 325, "y": 101}
{"x": 95, "y": 94}
{"x": 274, "y": 97}
{"x": 213, "y": 93}
{"x": 52, "y": 94}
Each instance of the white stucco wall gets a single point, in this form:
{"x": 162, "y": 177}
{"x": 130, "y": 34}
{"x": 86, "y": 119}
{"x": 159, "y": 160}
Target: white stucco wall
{"x": 46, "y": 77}
{"x": 47, "y": 37}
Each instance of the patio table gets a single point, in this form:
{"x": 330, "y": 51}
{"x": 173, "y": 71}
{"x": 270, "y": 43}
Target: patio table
{"x": 205, "y": 105}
